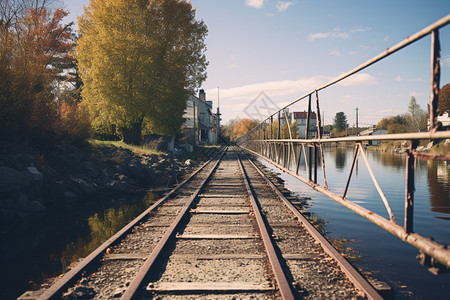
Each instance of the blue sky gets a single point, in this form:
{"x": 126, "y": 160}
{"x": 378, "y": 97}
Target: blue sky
{"x": 288, "y": 48}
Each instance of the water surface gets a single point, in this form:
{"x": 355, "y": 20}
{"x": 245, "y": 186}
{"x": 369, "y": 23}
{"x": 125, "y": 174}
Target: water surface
{"x": 392, "y": 260}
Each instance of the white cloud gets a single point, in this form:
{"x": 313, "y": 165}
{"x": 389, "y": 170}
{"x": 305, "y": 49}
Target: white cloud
{"x": 416, "y": 95}
{"x": 282, "y": 5}
{"x": 254, "y": 3}
{"x": 358, "y": 79}
{"x": 296, "y": 88}
{"x": 338, "y": 33}
{"x": 386, "y": 39}
{"x": 335, "y": 33}
{"x": 445, "y": 61}
{"x": 269, "y": 14}
{"x": 398, "y": 78}
{"x": 360, "y": 29}
{"x": 272, "y": 88}
{"x": 334, "y": 52}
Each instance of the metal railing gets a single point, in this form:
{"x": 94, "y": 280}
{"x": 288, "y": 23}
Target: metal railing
{"x": 269, "y": 141}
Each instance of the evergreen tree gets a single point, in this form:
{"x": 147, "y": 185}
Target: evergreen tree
{"x": 340, "y": 121}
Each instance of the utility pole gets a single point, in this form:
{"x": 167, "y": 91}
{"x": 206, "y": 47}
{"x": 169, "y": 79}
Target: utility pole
{"x": 357, "y": 133}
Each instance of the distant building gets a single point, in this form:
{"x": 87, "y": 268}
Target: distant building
{"x": 373, "y": 131}
{"x": 201, "y": 126}
{"x": 444, "y": 119}
{"x": 300, "y": 118}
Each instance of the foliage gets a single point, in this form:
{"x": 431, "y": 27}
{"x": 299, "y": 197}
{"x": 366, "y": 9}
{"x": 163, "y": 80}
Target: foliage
{"x": 242, "y": 127}
{"x": 227, "y": 130}
{"x": 393, "y": 124}
{"x": 34, "y": 47}
{"x": 444, "y": 99}
{"x": 340, "y": 121}
{"x": 416, "y": 118}
{"x": 139, "y": 60}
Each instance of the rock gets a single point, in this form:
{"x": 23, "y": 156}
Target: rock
{"x": 11, "y": 180}
{"x": 187, "y": 147}
{"x": 138, "y": 172}
{"x": 36, "y": 206}
{"x": 118, "y": 186}
{"x": 86, "y": 188}
{"x": 70, "y": 196}
{"x": 118, "y": 292}
{"x": 22, "y": 201}
{"x": 189, "y": 162}
{"x": 35, "y": 174}
{"x": 79, "y": 292}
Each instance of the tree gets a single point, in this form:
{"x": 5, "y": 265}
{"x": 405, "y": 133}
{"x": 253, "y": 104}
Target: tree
{"x": 385, "y": 122}
{"x": 416, "y": 118}
{"x": 243, "y": 127}
{"x": 139, "y": 60}
{"x": 33, "y": 45}
{"x": 340, "y": 121}
{"x": 444, "y": 99}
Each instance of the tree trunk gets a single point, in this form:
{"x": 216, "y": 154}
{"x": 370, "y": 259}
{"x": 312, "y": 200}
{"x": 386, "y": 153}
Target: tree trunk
{"x": 132, "y": 135}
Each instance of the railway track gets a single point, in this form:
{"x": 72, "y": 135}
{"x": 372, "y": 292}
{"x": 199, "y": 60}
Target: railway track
{"x": 225, "y": 232}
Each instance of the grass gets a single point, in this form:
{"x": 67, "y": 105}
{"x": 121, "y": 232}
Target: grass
{"x": 204, "y": 152}
{"x": 140, "y": 150}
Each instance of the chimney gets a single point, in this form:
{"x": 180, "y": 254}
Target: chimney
{"x": 202, "y": 95}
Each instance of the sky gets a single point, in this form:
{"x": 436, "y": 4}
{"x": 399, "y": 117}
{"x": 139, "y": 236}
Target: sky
{"x": 264, "y": 54}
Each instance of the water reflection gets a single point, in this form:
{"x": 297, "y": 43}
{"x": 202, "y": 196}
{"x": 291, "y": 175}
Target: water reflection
{"x": 102, "y": 226}
{"x": 45, "y": 251}
{"x": 438, "y": 185}
{"x": 340, "y": 158}
{"x": 392, "y": 159}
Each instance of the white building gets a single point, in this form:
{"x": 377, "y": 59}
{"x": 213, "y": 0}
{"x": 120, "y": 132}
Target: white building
{"x": 201, "y": 126}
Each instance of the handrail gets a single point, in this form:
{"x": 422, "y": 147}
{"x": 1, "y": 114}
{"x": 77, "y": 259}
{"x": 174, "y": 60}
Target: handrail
{"x": 409, "y": 40}
{"x": 286, "y": 152}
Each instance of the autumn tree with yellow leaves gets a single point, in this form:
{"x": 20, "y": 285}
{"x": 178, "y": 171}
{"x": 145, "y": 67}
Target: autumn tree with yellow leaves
{"x": 139, "y": 60}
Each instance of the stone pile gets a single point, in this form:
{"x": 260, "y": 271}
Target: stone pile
{"x": 31, "y": 183}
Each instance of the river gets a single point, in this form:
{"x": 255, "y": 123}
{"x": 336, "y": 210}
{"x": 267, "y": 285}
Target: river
{"x": 392, "y": 260}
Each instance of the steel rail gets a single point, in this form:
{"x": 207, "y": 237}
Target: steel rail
{"x": 409, "y": 40}
{"x": 398, "y": 136}
{"x": 437, "y": 251}
{"x": 283, "y": 284}
{"x": 163, "y": 242}
{"x": 353, "y": 275}
{"x": 55, "y": 291}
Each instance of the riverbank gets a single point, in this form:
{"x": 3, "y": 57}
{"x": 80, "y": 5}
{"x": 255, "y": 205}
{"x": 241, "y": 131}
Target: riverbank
{"x": 436, "y": 148}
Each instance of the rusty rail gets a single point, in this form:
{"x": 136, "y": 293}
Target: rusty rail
{"x": 353, "y": 275}
{"x": 56, "y": 290}
{"x": 286, "y": 151}
{"x": 283, "y": 284}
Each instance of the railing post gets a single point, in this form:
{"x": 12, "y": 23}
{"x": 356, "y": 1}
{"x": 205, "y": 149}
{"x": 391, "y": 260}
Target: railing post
{"x": 279, "y": 126}
{"x": 409, "y": 189}
{"x": 308, "y": 115}
{"x": 435, "y": 78}
{"x": 271, "y": 127}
